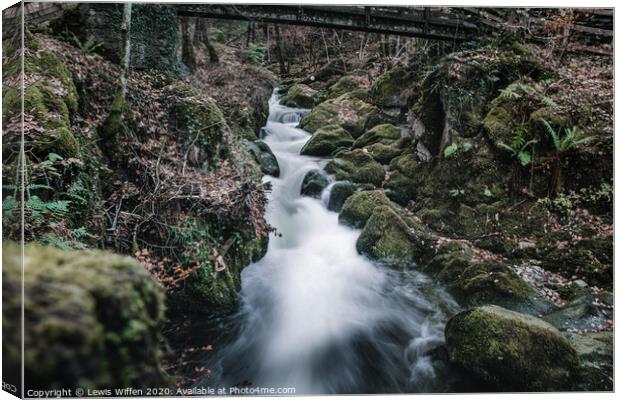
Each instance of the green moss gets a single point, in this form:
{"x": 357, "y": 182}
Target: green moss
{"x": 356, "y": 166}
{"x": 387, "y": 237}
{"x": 384, "y": 133}
{"x": 383, "y": 153}
{"x": 201, "y": 123}
{"x": 346, "y": 84}
{"x": 301, "y": 96}
{"x": 313, "y": 184}
{"x": 400, "y": 188}
{"x": 348, "y": 111}
{"x": 326, "y": 140}
{"x": 339, "y": 193}
{"x": 262, "y": 154}
{"x": 511, "y": 351}
{"x": 93, "y": 319}
{"x": 392, "y": 88}
{"x": 360, "y": 206}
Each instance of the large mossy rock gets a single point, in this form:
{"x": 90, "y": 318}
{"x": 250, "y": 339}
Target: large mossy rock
{"x": 326, "y": 140}
{"x": 348, "y": 111}
{"x": 596, "y": 360}
{"x": 339, "y": 193}
{"x": 200, "y": 125}
{"x": 50, "y": 99}
{"x": 511, "y": 351}
{"x": 356, "y": 166}
{"x": 384, "y": 133}
{"x": 388, "y": 238}
{"x": 265, "y": 158}
{"x": 313, "y": 184}
{"x": 393, "y": 88}
{"x": 300, "y": 96}
{"x": 359, "y": 207}
{"x": 92, "y": 319}
{"x": 347, "y": 84}
{"x": 476, "y": 283}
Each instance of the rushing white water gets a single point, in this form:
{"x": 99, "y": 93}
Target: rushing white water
{"x": 315, "y": 314}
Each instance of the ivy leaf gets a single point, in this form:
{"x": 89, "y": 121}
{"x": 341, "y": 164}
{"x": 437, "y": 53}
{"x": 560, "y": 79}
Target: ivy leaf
{"x": 524, "y": 158}
{"x": 450, "y": 150}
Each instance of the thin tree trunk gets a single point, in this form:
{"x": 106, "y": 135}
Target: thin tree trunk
{"x": 280, "y": 51}
{"x": 202, "y": 36}
{"x": 126, "y": 49}
{"x": 187, "y": 53}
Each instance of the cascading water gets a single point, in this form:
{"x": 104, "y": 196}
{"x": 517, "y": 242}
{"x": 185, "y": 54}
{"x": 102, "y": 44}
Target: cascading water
{"x": 317, "y": 316}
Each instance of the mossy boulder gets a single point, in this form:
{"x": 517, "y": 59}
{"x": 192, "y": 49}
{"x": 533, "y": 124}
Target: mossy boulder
{"x": 265, "y": 158}
{"x": 326, "y": 140}
{"x": 348, "y": 111}
{"x": 475, "y": 283}
{"x": 596, "y": 360}
{"x": 511, "y": 351}
{"x": 356, "y": 166}
{"x": 313, "y": 184}
{"x": 300, "y": 96}
{"x": 400, "y": 188}
{"x": 50, "y": 99}
{"x": 384, "y": 133}
{"x": 383, "y": 153}
{"x": 347, "y": 84}
{"x": 200, "y": 124}
{"x": 359, "y": 207}
{"x": 386, "y": 237}
{"x": 92, "y": 319}
{"x": 339, "y": 193}
{"x": 393, "y": 88}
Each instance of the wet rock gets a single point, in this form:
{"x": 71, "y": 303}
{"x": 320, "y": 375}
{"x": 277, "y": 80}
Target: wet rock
{"x": 386, "y": 237}
{"x": 300, "y": 96}
{"x": 340, "y": 192}
{"x": 348, "y": 111}
{"x": 595, "y": 352}
{"x": 313, "y": 184}
{"x": 360, "y": 206}
{"x": 384, "y": 133}
{"x": 356, "y": 166}
{"x": 383, "y": 153}
{"x": 326, "y": 140}
{"x": 586, "y": 311}
{"x": 265, "y": 158}
{"x": 347, "y": 84}
{"x": 400, "y": 188}
{"x": 511, "y": 351}
{"x": 393, "y": 88}
{"x": 92, "y": 319}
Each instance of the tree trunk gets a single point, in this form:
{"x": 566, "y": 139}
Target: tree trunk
{"x": 279, "y": 51}
{"x": 187, "y": 52}
{"x": 126, "y": 49}
{"x": 201, "y": 35}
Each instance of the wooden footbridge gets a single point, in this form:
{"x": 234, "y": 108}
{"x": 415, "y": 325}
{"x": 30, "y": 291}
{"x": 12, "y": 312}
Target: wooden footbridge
{"x": 439, "y": 23}
{"x": 424, "y": 22}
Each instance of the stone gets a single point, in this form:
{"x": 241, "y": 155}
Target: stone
{"x": 358, "y": 208}
{"x": 265, "y": 158}
{"x": 356, "y": 166}
{"x": 339, "y": 193}
{"x": 313, "y": 184}
{"x": 326, "y": 140}
{"x": 93, "y": 319}
{"x": 386, "y": 237}
{"x": 511, "y": 351}
{"x": 596, "y": 360}
{"x": 300, "y": 96}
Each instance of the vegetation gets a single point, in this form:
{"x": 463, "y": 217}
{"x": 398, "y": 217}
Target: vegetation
{"x": 485, "y": 165}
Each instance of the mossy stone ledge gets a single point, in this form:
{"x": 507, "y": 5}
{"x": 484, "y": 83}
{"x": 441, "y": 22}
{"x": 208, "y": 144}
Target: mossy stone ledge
{"x": 511, "y": 351}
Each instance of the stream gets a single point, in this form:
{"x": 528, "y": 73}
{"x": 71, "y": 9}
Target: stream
{"x": 315, "y": 315}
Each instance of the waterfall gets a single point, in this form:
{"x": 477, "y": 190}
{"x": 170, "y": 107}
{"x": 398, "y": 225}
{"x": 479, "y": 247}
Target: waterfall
{"x": 317, "y": 316}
